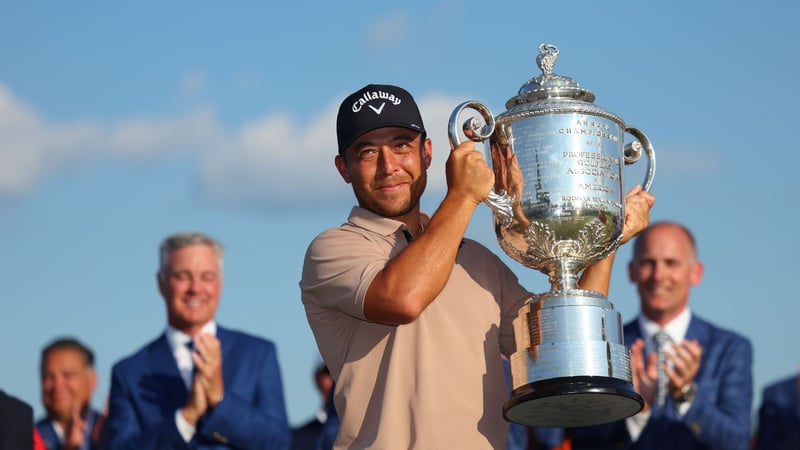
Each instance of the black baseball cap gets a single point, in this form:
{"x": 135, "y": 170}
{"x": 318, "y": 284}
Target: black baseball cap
{"x": 376, "y": 106}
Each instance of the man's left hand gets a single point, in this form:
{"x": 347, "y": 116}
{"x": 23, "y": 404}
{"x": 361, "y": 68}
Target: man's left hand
{"x": 208, "y": 361}
{"x": 637, "y": 212}
{"x": 685, "y": 358}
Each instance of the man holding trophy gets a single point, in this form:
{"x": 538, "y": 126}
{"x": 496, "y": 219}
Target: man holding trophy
{"x": 410, "y": 316}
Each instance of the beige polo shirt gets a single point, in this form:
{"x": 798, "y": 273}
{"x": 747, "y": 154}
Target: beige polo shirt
{"x": 436, "y": 383}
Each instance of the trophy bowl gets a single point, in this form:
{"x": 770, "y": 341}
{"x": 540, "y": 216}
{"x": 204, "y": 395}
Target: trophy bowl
{"x": 558, "y": 207}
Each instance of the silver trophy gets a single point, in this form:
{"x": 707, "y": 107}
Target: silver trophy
{"x": 558, "y": 204}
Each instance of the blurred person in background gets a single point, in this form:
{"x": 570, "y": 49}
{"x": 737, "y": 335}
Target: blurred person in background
{"x": 779, "y": 416}
{"x": 306, "y": 436}
{"x": 16, "y": 423}
{"x": 707, "y": 376}
{"x": 68, "y": 382}
{"x": 198, "y": 385}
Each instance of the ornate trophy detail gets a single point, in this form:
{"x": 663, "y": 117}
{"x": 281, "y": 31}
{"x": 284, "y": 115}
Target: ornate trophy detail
{"x": 558, "y": 206}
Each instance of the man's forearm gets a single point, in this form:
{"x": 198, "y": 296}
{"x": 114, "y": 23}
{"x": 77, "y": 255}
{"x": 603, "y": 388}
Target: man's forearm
{"x": 597, "y": 277}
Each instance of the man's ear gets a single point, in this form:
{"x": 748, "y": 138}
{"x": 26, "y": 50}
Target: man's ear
{"x": 92, "y": 379}
{"x": 341, "y": 166}
{"x": 427, "y": 153}
{"x": 697, "y": 273}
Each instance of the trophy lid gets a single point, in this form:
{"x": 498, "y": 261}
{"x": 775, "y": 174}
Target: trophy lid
{"x": 549, "y": 85}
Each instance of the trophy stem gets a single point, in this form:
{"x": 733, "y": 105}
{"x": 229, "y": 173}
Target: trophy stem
{"x": 564, "y": 275}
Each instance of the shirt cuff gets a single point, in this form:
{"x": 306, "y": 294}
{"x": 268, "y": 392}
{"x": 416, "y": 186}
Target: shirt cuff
{"x": 186, "y": 429}
{"x": 683, "y": 408}
{"x": 636, "y": 424}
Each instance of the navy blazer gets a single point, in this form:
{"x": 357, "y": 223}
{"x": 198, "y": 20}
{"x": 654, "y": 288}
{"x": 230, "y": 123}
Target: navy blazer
{"x": 50, "y": 438}
{"x": 719, "y": 416}
{"x": 147, "y": 389}
{"x": 779, "y": 416}
{"x": 305, "y": 437}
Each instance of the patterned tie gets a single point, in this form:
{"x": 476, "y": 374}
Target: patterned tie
{"x": 190, "y": 346}
{"x": 662, "y": 340}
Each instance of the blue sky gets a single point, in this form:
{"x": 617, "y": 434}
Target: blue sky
{"x": 120, "y": 124}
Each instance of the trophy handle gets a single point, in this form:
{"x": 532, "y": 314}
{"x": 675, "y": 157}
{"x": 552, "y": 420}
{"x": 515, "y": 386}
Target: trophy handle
{"x": 478, "y": 131}
{"x": 473, "y": 128}
{"x": 633, "y": 152}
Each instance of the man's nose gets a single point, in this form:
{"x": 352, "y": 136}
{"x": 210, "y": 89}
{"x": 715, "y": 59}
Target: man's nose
{"x": 387, "y": 160}
{"x": 659, "y": 271}
{"x": 60, "y": 382}
{"x": 194, "y": 284}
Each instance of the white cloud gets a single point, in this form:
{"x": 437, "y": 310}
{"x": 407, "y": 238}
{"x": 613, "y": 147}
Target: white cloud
{"x": 21, "y": 146}
{"x": 272, "y": 159}
{"x": 198, "y": 131}
{"x": 31, "y": 147}
{"x": 275, "y": 159}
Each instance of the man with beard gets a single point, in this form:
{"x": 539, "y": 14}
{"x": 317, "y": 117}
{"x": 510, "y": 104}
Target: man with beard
{"x": 411, "y": 317}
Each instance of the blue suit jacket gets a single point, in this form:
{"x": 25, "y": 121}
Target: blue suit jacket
{"x": 719, "y": 417}
{"x": 147, "y": 389}
{"x": 779, "y": 417}
{"x": 50, "y": 438}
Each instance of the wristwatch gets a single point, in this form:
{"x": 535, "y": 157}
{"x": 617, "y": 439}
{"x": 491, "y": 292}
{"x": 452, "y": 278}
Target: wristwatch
{"x": 686, "y": 393}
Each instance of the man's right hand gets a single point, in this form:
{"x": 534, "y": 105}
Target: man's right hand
{"x": 196, "y": 403}
{"x": 75, "y": 432}
{"x": 468, "y": 174}
{"x": 645, "y": 373}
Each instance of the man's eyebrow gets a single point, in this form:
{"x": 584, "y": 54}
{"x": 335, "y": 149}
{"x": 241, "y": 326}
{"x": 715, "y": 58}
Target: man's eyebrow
{"x": 363, "y": 144}
{"x": 400, "y": 136}
{"x": 191, "y": 272}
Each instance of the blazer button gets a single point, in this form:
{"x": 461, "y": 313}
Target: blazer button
{"x": 220, "y": 438}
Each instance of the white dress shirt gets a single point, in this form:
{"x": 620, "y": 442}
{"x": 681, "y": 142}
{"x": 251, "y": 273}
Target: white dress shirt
{"x": 676, "y": 330}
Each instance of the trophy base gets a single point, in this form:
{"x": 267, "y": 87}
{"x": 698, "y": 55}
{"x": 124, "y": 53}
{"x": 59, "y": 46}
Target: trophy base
{"x": 572, "y": 402}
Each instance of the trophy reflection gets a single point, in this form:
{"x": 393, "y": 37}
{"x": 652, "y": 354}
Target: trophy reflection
{"x": 558, "y": 207}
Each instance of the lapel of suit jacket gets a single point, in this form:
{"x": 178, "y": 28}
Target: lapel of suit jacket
{"x": 163, "y": 364}
{"x": 226, "y": 342}
{"x": 48, "y": 435}
{"x": 700, "y": 331}
{"x": 631, "y": 332}
{"x": 89, "y": 434}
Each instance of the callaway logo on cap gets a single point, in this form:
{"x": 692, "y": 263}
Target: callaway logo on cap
{"x": 376, "y": 106}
